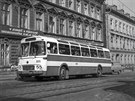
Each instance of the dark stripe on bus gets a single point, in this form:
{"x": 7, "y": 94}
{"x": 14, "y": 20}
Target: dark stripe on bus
{"x": 76, "y": 59}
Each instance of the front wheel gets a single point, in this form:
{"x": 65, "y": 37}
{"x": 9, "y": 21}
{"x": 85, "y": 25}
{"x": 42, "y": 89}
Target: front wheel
{"x": 63, "y": 74}
{"x": 38, "y": 78}
{"x": 98, "y": 72}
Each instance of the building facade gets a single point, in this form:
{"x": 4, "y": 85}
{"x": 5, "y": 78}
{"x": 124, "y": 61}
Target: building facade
{"x": 120, "y": 30}
{"x": 77, "y": 20}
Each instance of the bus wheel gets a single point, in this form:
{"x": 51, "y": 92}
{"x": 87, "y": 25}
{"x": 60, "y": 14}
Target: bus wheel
{"x": 63, "y": 74}
{"x": 99, "y": 72}
{"x": 19, "y": 77}
{"x": 38, "y": 78}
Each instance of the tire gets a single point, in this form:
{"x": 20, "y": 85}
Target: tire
{"x": 63, "y": 74}
{"x": 19, "y": 77}
{"x": 38, "y": 78}
{"x": 99, "y": 72}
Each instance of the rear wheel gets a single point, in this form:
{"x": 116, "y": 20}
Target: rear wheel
{"x": 63, "y": 73}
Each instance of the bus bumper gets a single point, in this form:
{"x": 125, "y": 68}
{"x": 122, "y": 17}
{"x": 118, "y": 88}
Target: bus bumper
{"x": 31, "y": 73}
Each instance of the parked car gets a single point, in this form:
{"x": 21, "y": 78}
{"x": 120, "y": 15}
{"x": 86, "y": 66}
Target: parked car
{"x": 116, "y": 67}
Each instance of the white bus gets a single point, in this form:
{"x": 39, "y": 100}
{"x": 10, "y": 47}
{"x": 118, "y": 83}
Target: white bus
{"x": 45, "y": 57}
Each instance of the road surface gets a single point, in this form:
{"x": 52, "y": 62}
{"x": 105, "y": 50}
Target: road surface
{"x": 107, "y": 88}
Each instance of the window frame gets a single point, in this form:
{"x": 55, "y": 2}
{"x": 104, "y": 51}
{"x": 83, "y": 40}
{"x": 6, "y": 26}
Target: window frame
{"x": 67, "y": 51}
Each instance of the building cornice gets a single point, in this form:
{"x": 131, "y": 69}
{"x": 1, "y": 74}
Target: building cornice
{"x": 109, "y": 10}
{"x": 69, "y": 10}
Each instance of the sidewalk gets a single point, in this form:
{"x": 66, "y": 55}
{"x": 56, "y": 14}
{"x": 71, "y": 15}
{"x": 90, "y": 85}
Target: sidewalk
{"x": 7, "y": 72}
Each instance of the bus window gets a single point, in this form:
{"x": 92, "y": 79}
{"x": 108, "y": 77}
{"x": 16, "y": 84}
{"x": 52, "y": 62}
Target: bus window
{"x": 64, "y": 49}
{"x": 85, "y": 51}
{"x": 25, "y": 49}
{"x": 52, "y": 47}
{"x": 100, "y": 54}
{"x": 107, "y": 54}
{"x": 75, "y": 50}
{"x": 37, "y": 48}
{"x": 93, "y": 52}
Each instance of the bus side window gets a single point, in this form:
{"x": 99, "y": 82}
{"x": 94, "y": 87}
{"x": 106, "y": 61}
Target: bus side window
{"x": 100, "y": 54}
{"x": 107, "y": 54}
{"x": 85, "y": 51}
{"x": 93, "y": 52}
{"x": 75, "y": 50}
{"x": 64, "y": 49}
{"x": 52, "y": 47}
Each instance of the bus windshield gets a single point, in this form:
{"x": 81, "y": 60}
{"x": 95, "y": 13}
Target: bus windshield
{"x": 36, "y": 48}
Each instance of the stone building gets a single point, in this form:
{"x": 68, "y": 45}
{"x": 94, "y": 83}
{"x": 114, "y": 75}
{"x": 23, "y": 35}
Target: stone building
{"x": 78, "y": 20}
{"x": 120, "y": 35}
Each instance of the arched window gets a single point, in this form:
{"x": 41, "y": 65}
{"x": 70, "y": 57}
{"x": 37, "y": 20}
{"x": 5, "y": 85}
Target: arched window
{"x": 24, "y": 13}
{"x": 39, "y": 19}
{"x": 6, "y": 10}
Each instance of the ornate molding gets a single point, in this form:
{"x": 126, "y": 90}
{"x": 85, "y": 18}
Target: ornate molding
{"x": 99, "y": 26}
{"x": 93, "y": 24}
{"x": 72, "y": 17}
{"x": 86, "y": 21}
{"x": 24, "y": 3}
{"x": 40, "y": 8}
{"x": 79, "y": 19}
{"x": 53, "y": 11}
{"x": 63, "y": 14}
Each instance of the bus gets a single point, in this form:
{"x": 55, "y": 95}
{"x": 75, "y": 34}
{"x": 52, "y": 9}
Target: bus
{"x": 50, "y": 57}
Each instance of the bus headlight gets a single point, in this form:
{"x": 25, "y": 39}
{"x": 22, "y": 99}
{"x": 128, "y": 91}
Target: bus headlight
{"x": 19, "y": 68}
{"x": 38, "y": 67}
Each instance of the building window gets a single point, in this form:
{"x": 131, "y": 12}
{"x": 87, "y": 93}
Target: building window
{"x": 86, "y": 9}
{"x": 6, "y": 13}
{"x": 24, "y": 18}
{"x": 99, "y": 32}
{"x": 98, "y": 11}
{"x": 62, "y": 3}
{"x": 78, "y": 6}
{"x": 130, "y": 30}
{"x": 78, "y": 30}
{"x": 93, "y": 33}
{"x": 52, "y": 22}
{"x": 62, "y": 26}
{"x": 86, "y": 32}
{"x": 120, "y": 27}
{"x": 92, "y": 11}
{"x": 71, "y": 4}
{"x": 123, "y": 28}
{"x": 116, "y": 25}
{"x": 39, "y": 21}
{"x": 133, "y": 31}
{"x": 111, "y": 23}
{"x": 71, "y": 28}
{"x": 126, "y": 29}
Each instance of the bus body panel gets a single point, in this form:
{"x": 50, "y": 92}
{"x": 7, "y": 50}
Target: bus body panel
{"x": 76, "y": 65}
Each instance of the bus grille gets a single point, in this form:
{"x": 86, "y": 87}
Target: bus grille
{"x": 28, "y": 67}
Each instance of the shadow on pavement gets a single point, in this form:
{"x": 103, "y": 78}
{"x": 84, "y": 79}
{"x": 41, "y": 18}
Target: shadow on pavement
{"x": 18, "y": 99}
{"x": 127, "y": 88}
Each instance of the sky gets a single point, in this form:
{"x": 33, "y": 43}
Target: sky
{"x": 127, "y": 5}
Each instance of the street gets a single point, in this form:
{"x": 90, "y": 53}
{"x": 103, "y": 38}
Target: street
{"x": 106, "y": 88}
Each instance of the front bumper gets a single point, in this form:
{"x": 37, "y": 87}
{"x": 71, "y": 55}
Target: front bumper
{"x": 31, "y": 73}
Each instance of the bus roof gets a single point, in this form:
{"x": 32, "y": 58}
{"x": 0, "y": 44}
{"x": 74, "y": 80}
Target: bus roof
{"x": 39, "y": 38}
